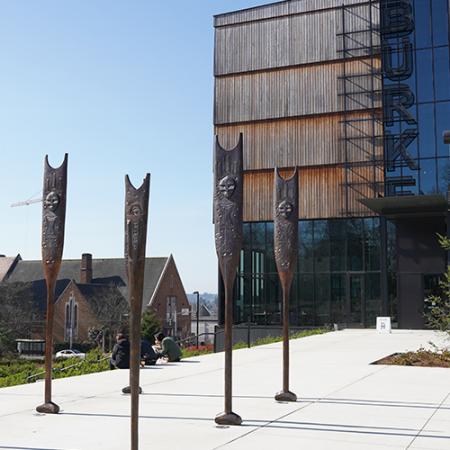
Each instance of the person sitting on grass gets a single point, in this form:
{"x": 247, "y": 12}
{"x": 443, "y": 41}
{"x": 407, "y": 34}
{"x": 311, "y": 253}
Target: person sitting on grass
{"x": 148, "y": 355}
{"x": 170, "y": 350}
{"x": 120, "y": 356}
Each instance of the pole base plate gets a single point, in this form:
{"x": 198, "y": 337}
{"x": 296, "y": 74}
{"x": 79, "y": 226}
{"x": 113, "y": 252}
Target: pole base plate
{"x": 230, "y": 418}
{"x": 127, "y": 390}
{"x": 48, "y": 408}
{"x": 285, "y": 396}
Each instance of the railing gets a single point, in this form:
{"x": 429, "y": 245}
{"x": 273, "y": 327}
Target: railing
{"x": 35, "y": 376}
{"x": 195, "y": 336}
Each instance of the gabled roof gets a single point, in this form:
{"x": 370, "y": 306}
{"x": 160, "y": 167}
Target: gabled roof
{"x": 106, "y": 271}
{"x": 94, "y": 294}
{"x": 7, "y": 264}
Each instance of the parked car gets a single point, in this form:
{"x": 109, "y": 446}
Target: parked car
{"x": 70, "y": 354}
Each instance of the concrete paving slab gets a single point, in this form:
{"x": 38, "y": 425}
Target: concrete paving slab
{"x": 344, "y": 401}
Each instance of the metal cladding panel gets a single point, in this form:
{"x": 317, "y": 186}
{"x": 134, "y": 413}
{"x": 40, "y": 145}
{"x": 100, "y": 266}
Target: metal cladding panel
{"x": 308, "y": 141}
{"x": 322, "y": 194}
{"x": 279, "y": 9}
{"x": 292, "y": 92}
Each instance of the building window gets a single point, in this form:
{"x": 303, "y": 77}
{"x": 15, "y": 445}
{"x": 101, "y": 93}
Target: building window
{"x": 171, "y": 315}
{"x": 71, "y": 319}
{"x": 337, "y": 279}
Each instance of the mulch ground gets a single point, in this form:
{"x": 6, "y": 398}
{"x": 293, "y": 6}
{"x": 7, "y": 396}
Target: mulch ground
{"x": 421, "y": 358}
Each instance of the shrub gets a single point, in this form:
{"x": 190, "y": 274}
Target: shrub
{"x": 437, "y": 307}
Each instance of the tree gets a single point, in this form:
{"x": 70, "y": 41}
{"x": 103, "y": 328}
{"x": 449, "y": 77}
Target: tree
{"x": 437, "y": 312}
{"x": 111, "y": 312}
{"x": 150, "y": 325}
{"x": 16, "y": 313}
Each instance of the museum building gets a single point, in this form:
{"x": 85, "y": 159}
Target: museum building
{"x": 356, "y": 95}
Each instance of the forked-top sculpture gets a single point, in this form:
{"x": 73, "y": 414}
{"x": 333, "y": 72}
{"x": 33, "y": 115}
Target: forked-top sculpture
{"x": 228, "y": 195}
{"x": 53, "y": 221}
{"x": 136, "y": 217}
{"x": 285, "y": 216}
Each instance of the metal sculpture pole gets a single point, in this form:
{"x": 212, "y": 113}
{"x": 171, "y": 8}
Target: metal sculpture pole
{"x": 53, "y": 221}
{"x": 228, "y": 194}
{"x": 136, "y": 216}
{"x": 286, "y": 249}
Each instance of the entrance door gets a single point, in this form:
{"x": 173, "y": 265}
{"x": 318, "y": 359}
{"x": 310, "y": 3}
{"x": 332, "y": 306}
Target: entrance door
{"x": 355, "y": 300}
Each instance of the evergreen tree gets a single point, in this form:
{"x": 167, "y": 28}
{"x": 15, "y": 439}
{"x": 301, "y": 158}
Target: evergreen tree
{"x": 150, "y": 325}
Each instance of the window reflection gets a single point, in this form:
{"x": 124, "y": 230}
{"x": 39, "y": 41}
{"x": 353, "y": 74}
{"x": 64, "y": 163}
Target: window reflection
{"x": 319, "y": 293}
{"x": 426, "y": 131}
{"x": 428, "y": 173}
{"x": 424, "y": 76}
{"x": 441, "y": 73}
{"x": 442, "y": 124}
{"x": 422, "y": 19}
{"x": 439, "y": 12}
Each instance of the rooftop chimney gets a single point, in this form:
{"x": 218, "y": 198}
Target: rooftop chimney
{"x": 86, "y": 268}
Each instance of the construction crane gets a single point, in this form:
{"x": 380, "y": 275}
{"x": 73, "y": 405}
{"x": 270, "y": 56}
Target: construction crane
{"x": 30, "y": 201}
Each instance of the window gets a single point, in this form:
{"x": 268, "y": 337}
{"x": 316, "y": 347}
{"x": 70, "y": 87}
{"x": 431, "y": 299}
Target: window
{"x": 439, "y": 13}
{"x": 424, "y": 76}
{"x": 442, "y": 124}
{"x": 441, "y": 73}
{"x": 426, "y": 131}
{"x": 71, "y": 319}
{"x": 422, "y": 20}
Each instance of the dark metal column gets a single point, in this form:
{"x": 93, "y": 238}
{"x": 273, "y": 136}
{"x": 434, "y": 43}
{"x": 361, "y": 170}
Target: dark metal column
{"x": 228, "y": 198}
{"x": 53, "y": 222}
{"x": 285, "y": 215}
{"x": 384, "y": 267}
{"x": 136, "y": 217}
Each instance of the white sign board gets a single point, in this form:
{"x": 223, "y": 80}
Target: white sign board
{"x": 383, "y": 324}
{"x": 184, "y": 311}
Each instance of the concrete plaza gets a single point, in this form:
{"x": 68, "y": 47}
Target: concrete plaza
{"x": 344, "y": 401}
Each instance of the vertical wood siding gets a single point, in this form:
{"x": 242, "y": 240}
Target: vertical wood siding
{"x": 291, "y": 92}
{"x": 308, "y": 141}
{"x": 321, "y": 192}
{"x": 279, "y": 9}
{"x": 292, "y": 40}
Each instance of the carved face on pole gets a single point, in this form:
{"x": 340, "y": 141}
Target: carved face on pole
{"x": 228, "y": 207}
{"x": 53, "y": 214}
{"x": 286, "y": 222}
{"x": 136, "y": 217}
{"x": 227, "y": 186}
{"x": 51, "y": 201}
{"x": 285, "y": 208}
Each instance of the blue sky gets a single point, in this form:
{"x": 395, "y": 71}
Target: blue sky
{"x": 124, "y": 88}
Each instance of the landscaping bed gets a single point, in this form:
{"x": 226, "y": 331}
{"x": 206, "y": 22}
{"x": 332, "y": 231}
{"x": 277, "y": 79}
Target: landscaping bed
{"x": 420, "y": 358}
{"x": 17, "y": 371}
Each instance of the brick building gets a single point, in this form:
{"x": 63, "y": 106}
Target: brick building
{"x": 89, "y": 289}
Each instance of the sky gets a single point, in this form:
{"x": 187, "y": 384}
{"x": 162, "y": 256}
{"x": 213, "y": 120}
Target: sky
{"x": 123, "y": 88}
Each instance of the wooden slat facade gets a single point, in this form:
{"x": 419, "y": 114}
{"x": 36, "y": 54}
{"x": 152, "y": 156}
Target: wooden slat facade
{"x": 279, "y": 9}
{"x": 291, "y": 40}
{"x": 321, "y": 192}
{"x": 307, "y": 141}
{"x": 279, "y": 72}
{"x": 299, "y": 91}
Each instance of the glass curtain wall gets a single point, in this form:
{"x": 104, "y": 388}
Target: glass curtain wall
{"x": 426, "y": 163}
{"x": 337, "y": 279}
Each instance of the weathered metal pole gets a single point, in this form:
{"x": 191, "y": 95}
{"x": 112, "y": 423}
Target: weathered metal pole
{"x": 286, "y": 249}
{"x": 136, "y": 217}
{"x": 228, "y": 195}
{"x": 53, "y": 222}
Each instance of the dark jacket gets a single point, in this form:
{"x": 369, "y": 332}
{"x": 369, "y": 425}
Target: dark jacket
{"x": 147, "y": 353}
{"x": 120, "y": 356}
